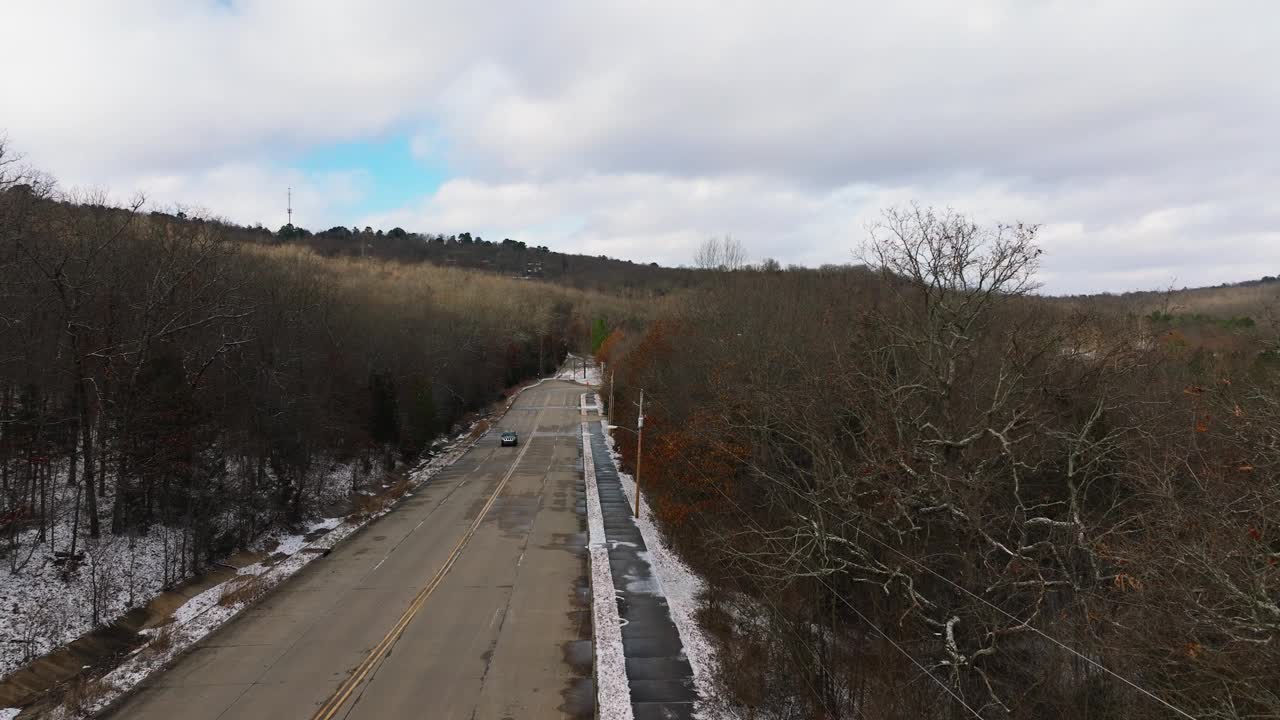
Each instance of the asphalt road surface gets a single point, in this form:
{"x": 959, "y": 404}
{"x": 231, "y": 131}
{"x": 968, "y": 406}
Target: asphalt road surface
{"x": 467, "y": 601}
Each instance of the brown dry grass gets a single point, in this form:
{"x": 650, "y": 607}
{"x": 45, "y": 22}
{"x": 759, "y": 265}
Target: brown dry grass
{"x": 1260, "y": 302}
{"x": 241, "y": 590}
{"x": 398, "y": 487}
{"x": 520, "y": 305}
{"x": 363, "y": 506}
{"x": 83, "y": 693}
{"x": 162, "y": 641}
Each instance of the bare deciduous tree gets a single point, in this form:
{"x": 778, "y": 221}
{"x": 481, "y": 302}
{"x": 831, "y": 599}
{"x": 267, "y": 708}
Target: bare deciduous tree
{"x": 725, "y": 254}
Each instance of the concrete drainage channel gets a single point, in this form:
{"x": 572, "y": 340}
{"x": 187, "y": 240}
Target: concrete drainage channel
{"x": 656, "y": 677}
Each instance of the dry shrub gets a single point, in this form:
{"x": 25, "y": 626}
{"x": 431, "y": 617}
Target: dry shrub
{"x": 364, "y": 506}
{"x": 743, "y": 672}
{"x": 162, "y": 641}
{"x": 398, "y": 487}
{"x": 242, "y": 590}
{"x": 83, "y": 694}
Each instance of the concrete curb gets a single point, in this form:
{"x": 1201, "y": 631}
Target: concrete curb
{"x": 613, "y": 695}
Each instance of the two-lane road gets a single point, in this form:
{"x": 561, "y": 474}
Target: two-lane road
{"x": 465, "y": 602}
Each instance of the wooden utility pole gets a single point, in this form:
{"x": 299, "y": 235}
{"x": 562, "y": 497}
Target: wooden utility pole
{"x": 639, "y": 449}
{"x": 610, "y": 415}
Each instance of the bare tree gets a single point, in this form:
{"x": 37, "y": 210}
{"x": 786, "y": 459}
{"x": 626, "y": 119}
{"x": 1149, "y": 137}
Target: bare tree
{"x": 733, "y": 254}
{"x": 707, "y": 256}
{"x": 721, "y": 253}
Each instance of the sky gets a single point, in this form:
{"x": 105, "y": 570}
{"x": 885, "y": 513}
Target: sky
{"x": 1143, "y": 136}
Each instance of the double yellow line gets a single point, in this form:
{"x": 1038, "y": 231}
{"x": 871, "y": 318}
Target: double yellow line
{"x": 341, "y": 695}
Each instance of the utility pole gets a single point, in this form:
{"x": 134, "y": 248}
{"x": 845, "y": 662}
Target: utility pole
{"x": 290, "y": 207}
{"x": 639, "y": 449}
{"x": 610, "y": 416}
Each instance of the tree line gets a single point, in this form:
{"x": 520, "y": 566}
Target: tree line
{"x": 919, "y": 490}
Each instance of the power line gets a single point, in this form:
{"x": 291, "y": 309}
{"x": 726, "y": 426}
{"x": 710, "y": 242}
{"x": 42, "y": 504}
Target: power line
{"x": 796, "y": 634}
{"x": 821, "y": 700}
{"x": 1024, "y": 623}
{"x": 835, "y": 593}
{"x": 1027, "y": 624}
{"x": 842, "y": 598}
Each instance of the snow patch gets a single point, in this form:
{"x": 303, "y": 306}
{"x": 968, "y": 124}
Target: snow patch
{"x": 326, "y": 524}
{"x": 644, "y": 586}
{"x": 198, "y": 604}
{"x": 573, "y": 370}
{"x": 44, "y": 604}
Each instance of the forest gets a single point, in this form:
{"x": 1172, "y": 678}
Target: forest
{"x": 924, "y": 491}
{"x": 164, "y": 383}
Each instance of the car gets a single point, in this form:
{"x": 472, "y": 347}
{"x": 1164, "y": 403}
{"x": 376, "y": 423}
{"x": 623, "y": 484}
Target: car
{"x": 509, "y": 438}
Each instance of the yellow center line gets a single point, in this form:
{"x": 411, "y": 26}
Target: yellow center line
{"x": 340, "y": 696}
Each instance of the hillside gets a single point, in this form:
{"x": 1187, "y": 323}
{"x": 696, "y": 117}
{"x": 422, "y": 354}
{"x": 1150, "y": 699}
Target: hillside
{"x": 1256, "y": 301}
{"x": 511, "y": 258}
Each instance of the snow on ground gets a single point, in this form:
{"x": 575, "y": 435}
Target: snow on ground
{"x": 9, "y": 713}
{"x": 682, "y": 587}
{"x": 613, "y": 692}
{"x": 573, "y": 371}
{"x": 291, "y": 544}
{"x": 42, "y": 608}
{"x": 198, "y": 605}
{"x": 203, "y": 613}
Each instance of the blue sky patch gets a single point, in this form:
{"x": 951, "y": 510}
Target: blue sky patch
{"x": 396, "y": 177}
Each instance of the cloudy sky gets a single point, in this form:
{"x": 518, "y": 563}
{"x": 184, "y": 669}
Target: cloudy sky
{"x": 1143, "y": 135}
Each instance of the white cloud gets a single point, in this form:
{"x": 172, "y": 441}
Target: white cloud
{"x": 645, "y": 217}
{"x": 1138, "y": 133}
